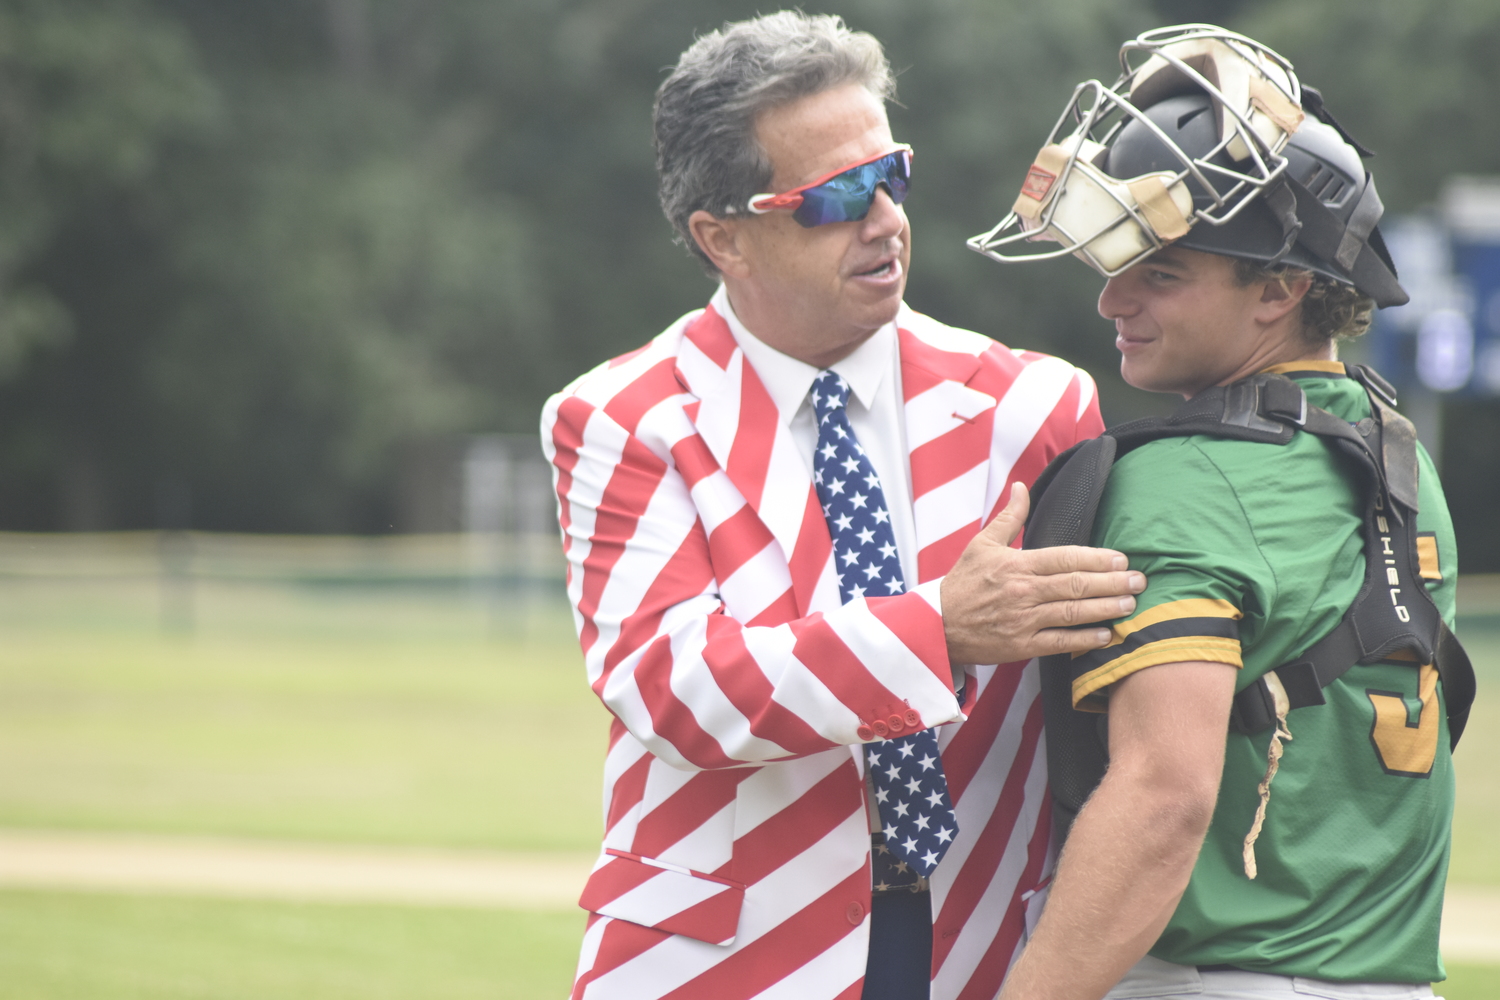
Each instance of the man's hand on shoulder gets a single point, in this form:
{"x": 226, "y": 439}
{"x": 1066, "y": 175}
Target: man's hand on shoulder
{"x": 1002, "y": 604}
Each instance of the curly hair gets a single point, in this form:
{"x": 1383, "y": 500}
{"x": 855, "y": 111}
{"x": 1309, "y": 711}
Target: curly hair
{"x": 1331, "y": 310}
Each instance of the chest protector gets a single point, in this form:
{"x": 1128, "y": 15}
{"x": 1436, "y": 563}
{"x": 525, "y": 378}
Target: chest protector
{"x": 1392, "y": 619}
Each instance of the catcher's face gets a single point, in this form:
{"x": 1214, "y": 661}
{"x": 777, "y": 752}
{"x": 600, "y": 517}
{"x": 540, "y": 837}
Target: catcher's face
{"x": 1183, "y": 322}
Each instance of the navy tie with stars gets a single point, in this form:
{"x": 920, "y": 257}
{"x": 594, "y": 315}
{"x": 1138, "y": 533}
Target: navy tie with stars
{"x": 911, "y": 790}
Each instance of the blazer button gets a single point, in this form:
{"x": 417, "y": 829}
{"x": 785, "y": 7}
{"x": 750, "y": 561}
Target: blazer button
{"x": 880, "y": 729}
{"x": 855, "y": 913}
{"x": 913, "y": 719}
{"x": 896, "y": 723}
{"x": 865, "y": 733}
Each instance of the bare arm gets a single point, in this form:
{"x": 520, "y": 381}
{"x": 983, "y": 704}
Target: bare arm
{"x": 1134, "y": 844}
{"x": 1002, "y": 604}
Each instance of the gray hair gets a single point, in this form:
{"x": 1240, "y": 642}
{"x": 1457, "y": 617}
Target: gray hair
{"x": 707, "y": 155}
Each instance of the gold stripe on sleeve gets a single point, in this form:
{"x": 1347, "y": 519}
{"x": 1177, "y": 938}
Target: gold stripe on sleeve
{"x": 1212, "y": 649}
{"x": 1193, "y": 607}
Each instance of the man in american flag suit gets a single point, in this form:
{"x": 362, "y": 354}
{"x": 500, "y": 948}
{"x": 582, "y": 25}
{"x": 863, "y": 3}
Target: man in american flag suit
{"x": 780, "y": 519}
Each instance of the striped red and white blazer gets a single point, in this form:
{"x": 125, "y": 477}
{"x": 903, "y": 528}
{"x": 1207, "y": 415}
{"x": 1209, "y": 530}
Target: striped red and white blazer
{"x": 736, "y": 849}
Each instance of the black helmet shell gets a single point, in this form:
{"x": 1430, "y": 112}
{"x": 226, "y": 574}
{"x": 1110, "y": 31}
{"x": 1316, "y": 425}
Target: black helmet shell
{"x": 1317, "y": 156}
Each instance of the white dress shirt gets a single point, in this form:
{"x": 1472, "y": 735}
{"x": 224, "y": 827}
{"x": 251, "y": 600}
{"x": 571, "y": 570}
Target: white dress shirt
{"x": 875, "y": 410}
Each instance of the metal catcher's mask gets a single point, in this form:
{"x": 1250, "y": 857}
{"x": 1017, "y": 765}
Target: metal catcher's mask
{"x": 1223, "y": 151}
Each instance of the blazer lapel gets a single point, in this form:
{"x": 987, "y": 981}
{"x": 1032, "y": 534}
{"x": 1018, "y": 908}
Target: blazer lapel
{"x": 739, "y": 424}
{"x": 949, "y": 429}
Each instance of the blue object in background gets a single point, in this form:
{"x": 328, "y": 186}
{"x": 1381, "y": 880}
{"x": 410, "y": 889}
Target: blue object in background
{"x": 1471, "y": 214}
{"x": 1447, "y": 339}
{"x": 1425, "y": 343}
{"x": 1478, "y": 264}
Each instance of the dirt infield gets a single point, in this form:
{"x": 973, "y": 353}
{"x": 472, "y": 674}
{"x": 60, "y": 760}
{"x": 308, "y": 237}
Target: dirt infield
{"x": 338, "y": 873}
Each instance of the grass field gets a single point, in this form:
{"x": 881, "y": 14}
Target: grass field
{"x": 68, "y": 946}
{"x": 377, "y": 716}
{"x": 373, "y": 701}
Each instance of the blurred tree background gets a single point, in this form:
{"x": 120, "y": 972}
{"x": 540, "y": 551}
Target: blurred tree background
{"x": 263, "y": 254}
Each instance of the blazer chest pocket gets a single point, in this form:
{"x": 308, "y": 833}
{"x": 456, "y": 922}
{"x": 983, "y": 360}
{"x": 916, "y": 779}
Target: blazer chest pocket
{"x": 665, "y": 897}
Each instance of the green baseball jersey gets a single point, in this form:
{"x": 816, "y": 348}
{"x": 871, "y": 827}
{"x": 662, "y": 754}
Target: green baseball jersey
{"x": 1252, "y": 552}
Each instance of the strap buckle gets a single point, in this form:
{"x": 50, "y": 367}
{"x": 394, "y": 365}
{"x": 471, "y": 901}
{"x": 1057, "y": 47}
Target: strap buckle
{"x": 1254, "y": 710}
{"x": 1282, "y": 399}
{"x": 1374, "y": 382}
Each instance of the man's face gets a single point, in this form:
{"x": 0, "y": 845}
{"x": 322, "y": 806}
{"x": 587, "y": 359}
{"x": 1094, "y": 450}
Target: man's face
{"x": 1183, "y": 323}
{"x": 818, "y": 293}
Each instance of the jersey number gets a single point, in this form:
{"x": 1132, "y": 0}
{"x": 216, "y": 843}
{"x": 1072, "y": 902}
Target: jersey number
{"x": 1405, "y": 748}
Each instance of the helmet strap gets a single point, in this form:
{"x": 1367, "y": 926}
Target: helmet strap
{"x": 1367, "y": 212}
{"x": 1283, "y": 204}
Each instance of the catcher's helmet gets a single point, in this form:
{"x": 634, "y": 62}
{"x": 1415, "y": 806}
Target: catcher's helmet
{"x": 1212, "y": 144}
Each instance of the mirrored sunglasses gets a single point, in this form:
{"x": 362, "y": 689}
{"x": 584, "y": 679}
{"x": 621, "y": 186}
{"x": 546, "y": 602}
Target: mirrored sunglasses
{"x": 844, "y": 195}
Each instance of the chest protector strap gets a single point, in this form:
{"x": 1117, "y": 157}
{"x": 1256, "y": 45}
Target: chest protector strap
{"x": 1392, "y": 619}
